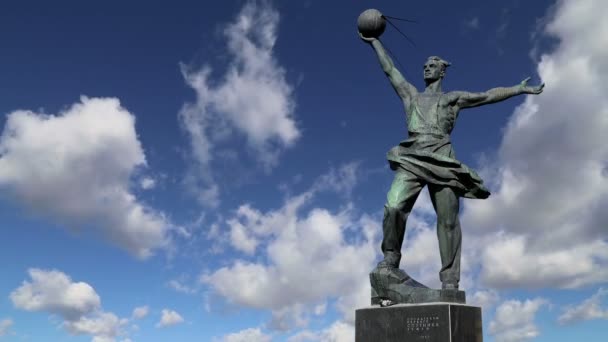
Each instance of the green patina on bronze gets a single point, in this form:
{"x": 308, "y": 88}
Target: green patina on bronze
{"x": 427, "y": 158}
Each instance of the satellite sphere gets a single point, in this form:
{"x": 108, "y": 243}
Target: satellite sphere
{"x": 371, "y": 24}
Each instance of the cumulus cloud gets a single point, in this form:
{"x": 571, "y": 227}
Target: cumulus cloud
{"x": 5, "y": 326}
{"x": 590, "y": 308}
{"x": 104, "y": 326}
{"x": 240, "y": 238}
{"x": 54, "y": 292}
{"x": 544, "y": 225}
{"x": 302, "y": 247}
{"x": 75, "y": 167}
{"x": 249, "y": 225}
{"x": 169, "y": 318}
{"x": 486, "y": 299}
{"x": 76, "y": 303}
{"x": 247, "y": 335}
{"x": 252, "y": 98}
{"x": 289, "y": 317}
{"x": 510, "y": 261}
{"x": 140, "y": 312}
{"x": 337, "y": 332}
{"x": 514, "y": 320}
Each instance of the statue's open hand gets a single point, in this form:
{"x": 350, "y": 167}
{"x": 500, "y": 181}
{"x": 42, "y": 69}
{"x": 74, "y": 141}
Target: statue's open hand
{"x": 366, "y": 39}
{"x": 526, "y": 89}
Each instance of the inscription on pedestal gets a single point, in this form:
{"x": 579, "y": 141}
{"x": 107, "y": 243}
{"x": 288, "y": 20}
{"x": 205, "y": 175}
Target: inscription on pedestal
{"x": 435, "y": 322}
{"x": 422, "y": 323}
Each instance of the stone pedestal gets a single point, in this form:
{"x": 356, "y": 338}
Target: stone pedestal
{"x": 429, "y": 322}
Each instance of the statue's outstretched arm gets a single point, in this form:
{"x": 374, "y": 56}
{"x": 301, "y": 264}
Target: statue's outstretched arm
{"x": 468, "y": 100}
{"x": 404, "y": 89}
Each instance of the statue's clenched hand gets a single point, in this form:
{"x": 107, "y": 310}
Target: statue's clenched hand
{"x": 526, "y": 89}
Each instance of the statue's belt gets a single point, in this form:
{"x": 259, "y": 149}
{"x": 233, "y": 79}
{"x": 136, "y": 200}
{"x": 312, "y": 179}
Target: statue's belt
{"x": 434, "y": 132}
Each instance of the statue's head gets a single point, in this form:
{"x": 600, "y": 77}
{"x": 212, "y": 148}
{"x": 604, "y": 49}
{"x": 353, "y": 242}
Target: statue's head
{"x": 434, "y": 68}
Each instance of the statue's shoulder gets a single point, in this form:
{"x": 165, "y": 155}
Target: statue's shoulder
{"x": 453, "y": 96}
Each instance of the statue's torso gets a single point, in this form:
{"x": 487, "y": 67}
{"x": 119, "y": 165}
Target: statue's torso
{"x": 430, "y": 113}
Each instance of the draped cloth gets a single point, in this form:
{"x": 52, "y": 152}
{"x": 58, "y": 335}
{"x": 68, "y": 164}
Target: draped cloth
{"x": 430, "y": 157}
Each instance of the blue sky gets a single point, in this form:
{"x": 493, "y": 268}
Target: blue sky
{"x": 198, "y": 171}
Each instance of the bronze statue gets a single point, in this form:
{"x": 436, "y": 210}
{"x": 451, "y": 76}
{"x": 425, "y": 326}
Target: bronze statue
{"x": 427, "y": 158}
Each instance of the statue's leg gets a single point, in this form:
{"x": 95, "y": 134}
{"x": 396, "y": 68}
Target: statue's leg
{"x": 446, "y": 204}
{"x": 400, "y": 200}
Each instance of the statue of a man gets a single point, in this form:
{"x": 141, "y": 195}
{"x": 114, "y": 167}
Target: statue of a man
{"x": 427, "y": 158}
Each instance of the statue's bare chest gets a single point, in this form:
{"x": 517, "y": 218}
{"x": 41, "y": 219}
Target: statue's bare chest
{"x": 431, "y": 104}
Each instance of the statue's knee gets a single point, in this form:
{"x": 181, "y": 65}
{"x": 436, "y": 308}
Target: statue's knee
{"x": 391, "y": 209}
{"x": 395, "y": 213}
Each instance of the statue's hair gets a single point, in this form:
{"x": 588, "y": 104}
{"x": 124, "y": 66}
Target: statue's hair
{"x": 444, "y": 64}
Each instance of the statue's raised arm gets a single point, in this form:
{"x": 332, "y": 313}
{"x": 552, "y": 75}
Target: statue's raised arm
{"x": 463, "y": 99}
{"x": 404, "y": 89}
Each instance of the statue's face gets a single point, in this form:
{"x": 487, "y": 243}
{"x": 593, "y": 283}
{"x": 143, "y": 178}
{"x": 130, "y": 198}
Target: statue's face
{"x": 432, "y": 71}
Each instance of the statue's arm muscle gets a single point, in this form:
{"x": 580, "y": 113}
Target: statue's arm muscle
{"x": 463, "y": 99}
{"x": 469, "y": 100}
{"x": 403, "y": 88}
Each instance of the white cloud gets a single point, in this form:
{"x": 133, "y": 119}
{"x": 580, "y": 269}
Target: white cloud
{"x": 505, "y": 17}
{"x": 169, "y": 318}
{"x": 103, "y": 339}
{"x": 472, "y": 24}
{"x": 180, "y": 287}
{"x": 54, "y": 292}
{"x": 510, "y": 262}
{"x": 544, "y": 225}
{"x": 338, "y": 332}
{"x": 76, "y": 303}
{"x": 240, "y": 239}
{"x": 140, "y": 312}
{"x": 289, "y": 317}
{"x": 147, "y": 183}
{"x": 320, "y": 309}
{"x": 341, "y": 180}
{"x": 421, "y": 250}
{"x": 589, "y": 309}
{"x": 248, "y": 225}
{"x": 5, "y": 326}
{"x": 252, "y": 97}
{"x": 514, "y": 320}
{"x": 104, "y": 326}
{"x": 486, "y": 299}
{"x": 247, "y": 335}
{"x": 311, "y": 249}
{"x": 75, "y": 167}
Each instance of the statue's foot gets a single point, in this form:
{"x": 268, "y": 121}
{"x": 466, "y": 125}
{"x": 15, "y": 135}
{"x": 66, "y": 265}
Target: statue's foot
{"x": 387, "y": 264}
{"x": 394, "y": 275}
{"x": 393, "y": 286}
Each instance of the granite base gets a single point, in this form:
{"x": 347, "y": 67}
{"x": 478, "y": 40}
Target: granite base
{"x": 428, "y": 322}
